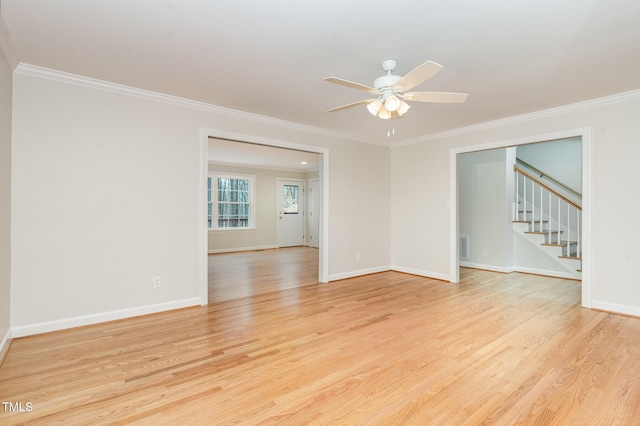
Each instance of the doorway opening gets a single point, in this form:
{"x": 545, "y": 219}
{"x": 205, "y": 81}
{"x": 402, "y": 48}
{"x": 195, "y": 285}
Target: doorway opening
{"x": 269, "y": 164}
{"x": 497, "y": 149}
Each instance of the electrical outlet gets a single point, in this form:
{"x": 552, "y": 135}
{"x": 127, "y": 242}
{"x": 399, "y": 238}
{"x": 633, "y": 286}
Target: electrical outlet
{"x": 485, "y": 252}
{"x": 157, "y": 281}
{"x": 357, "y": 255}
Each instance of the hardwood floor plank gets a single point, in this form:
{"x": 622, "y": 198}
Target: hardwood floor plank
{"x": 388, "y": 348}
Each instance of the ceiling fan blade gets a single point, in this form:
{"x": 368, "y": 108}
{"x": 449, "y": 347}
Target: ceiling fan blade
{"x": 351, "y": 84}
{"x": 436, "y": 97}
{"x": 366, "y": 101}
{"x": 419, "y": 74}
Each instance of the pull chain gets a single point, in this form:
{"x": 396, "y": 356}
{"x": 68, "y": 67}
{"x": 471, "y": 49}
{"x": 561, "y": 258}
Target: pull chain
{"x": 392, "y": 131}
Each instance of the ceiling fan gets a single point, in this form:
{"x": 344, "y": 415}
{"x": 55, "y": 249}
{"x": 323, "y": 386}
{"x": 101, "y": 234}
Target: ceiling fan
{"x": 392, "y": 90}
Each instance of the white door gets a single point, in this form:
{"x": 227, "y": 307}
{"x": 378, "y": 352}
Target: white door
{"x": 290, "y": 212}
{"x": 313, "y": 212}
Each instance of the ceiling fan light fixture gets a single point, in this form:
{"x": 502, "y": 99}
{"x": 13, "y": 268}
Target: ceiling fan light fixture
{"x": 403, "y": 108}
{"x": 375, "y": 106}
{"x": 392, "y": 91}
{"x": 392, "y": 103}
{"x": 384, "y": 113}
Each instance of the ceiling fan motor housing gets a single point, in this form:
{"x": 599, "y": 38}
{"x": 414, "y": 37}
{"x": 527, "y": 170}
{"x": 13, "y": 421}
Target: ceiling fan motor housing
{"x": 388, "y": 95}
{"x": 386, "y": 81}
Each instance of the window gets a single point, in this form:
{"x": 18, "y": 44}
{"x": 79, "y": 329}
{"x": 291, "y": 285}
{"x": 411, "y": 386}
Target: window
{"x": 230, "y": 201}
{"x": 291, "y": 199}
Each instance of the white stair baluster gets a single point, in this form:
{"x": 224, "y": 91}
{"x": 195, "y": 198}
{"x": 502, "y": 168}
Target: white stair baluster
{"x": 524, "y": 203}
{"x": 514, "y": 211}
{"x": 578, "y": 249}
{"x": 558, "y": 236}
{"x": 541, "y": 207}
{"x": 568, "y": 230}
{"x": 533, "y": 205}
{"x": 549, "y": 227}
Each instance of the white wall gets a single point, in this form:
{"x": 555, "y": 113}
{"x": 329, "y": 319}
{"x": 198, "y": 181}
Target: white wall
{"x": 265, "y": 233}
{"x": 421, "y": 226}
{"x": 420, "y": 209}
{"x": 482, "y": 208}
{"x": 5, "y": 196}
{"x": 485, "y": 188}
{"x": 561, "y": 160}
{"x": 106, "y": 187}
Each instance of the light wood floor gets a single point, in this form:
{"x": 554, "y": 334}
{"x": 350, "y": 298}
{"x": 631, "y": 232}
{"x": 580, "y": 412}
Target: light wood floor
{"x": 388, "y": 348}
{"x": 244, "y": 274}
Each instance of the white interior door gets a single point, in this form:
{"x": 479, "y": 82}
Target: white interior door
{"x": 313, "y": 212}
{"x": 290, "y": 212}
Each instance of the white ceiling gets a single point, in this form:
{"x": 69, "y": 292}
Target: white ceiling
{"x": 223, "y": 151}
{"x": 270, "y": 57}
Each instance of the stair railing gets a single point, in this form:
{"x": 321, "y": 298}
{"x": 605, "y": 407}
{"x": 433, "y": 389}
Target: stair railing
{"x": 548, "y": 212}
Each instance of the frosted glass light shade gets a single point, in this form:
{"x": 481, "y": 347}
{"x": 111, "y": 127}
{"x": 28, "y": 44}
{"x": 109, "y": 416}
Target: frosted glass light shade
{"x": 374, "y": 107}
{"x": 392, "y": 103}
{"x": 403, "y": 108}
{"x": 384, "y": 113}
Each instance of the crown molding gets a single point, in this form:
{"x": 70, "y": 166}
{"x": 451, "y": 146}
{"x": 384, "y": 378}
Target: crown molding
{"x": 578, "y": 106}
{"x": 78, "y": 80}
{"x": 7, "y": 46}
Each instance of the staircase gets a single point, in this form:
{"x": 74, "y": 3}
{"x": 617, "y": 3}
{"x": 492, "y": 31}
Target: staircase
{"x": 548, "y": 215}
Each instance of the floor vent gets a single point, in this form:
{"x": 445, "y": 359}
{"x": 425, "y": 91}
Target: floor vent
{"x": 464, "y": 247}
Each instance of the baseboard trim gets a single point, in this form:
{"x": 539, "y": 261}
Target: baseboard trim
{"x": 358, "y": 273}
{"x": 63, "y": 324}
{"x": 533, "y": 271}
{"x": 421, "y": 273}
{"x": 484, "y": 267}
{"x": 233, "y": 250}
{"x": 361, "y": 272}
{"x": 614, "y": 308}
{"x": 4, "y": 345}
{"x": 546, "y": 273}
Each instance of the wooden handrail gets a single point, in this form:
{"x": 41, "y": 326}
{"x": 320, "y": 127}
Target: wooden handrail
{"x": 541, "y": 173}
{"x": 553, "y": 191}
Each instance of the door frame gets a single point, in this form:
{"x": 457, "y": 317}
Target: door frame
{"x": 585, "y": 134}
{"x": 301, "y": 200}
{"x": 323, "y": 242}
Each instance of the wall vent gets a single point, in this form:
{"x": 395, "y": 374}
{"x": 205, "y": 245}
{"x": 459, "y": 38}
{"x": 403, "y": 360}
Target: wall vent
{"x": 464, "y": 247}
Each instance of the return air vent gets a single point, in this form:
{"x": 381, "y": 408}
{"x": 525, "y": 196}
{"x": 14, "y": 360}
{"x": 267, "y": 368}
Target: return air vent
{"x": 464, "y": 247}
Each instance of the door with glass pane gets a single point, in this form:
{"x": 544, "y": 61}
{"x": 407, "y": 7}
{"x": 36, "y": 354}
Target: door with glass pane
{"x": 290, "y": 212}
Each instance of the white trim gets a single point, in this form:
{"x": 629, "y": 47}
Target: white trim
{"x": 4, "y": 345}
{"x": 547, "y": 273}
{"x": 323, "y": 225}
{"x": 420, "y": 272}
{"x": 323, "y": 260}
{"x": 454, "y": 245}
{"x": 592, "y": 103}
{"x": 615, "y": 308}
{"x": 508, "y": 270}
{"x": 233, "y": 250}
{"x": 587, "y": 248}
{"x": 78, "y": 80}
{"x": 63, "y": 324}
{"x": 493, "y": 268}
{"x": 6, "y": 45}
{"x": 358, "y": 273}
{"x": 203, "y": 216}
{"x": 585, "y": 134}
